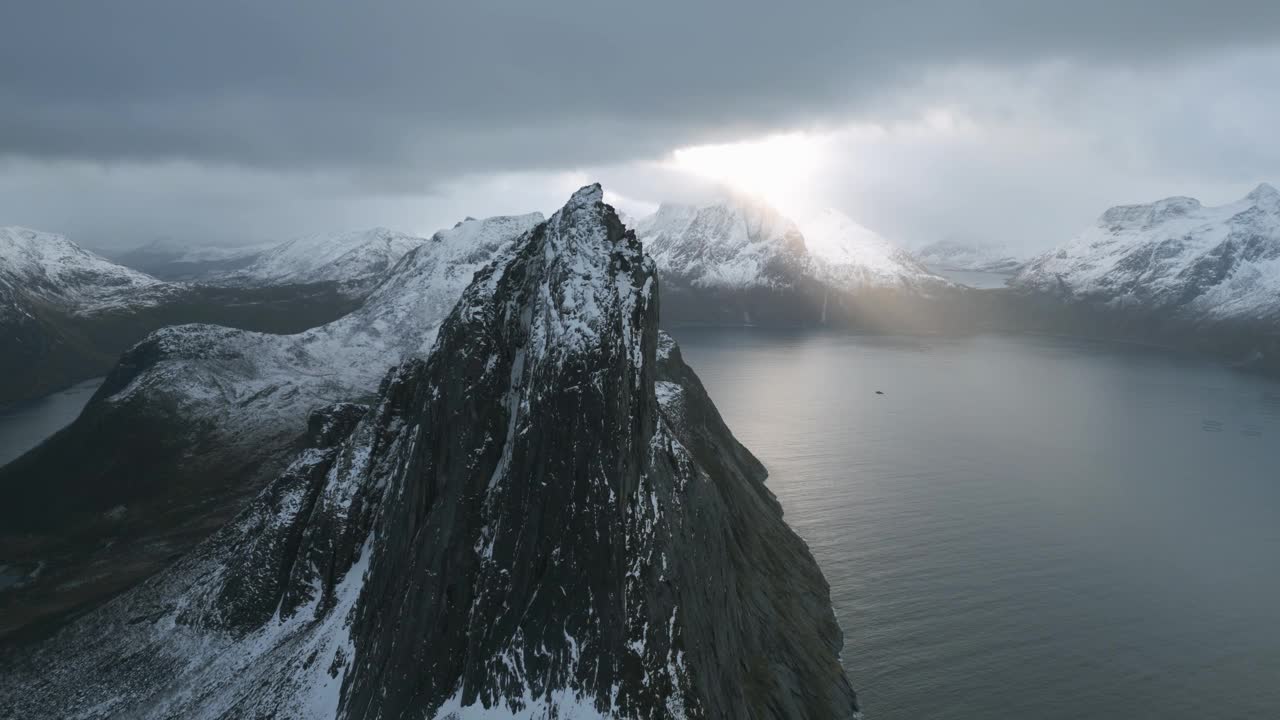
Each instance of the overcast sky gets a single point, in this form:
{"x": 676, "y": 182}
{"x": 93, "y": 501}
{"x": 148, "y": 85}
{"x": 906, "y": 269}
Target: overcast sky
{"x": 988, "y": 120}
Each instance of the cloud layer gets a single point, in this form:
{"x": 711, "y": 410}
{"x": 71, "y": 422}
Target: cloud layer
{"x": 240, "y": 107}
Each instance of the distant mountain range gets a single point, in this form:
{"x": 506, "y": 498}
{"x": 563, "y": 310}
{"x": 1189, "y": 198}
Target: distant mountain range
{"x": 355, "y": 260}
{"x": 67, "y": 313}
{"x": 1175, "y": 255}
{"x": 171, "y": 260}
{"x": 957, "y": 255}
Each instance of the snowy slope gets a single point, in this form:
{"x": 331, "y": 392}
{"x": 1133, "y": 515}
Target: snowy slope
{"x": 255, "y": 384}
{"x": 956, "y": 255}
{"x": 1214, "y": 263}
{"x": 850, "y": 256}
{"x": 350, "y": 257}
{"x": 49, "y": 268}
{"x": 179, "y": 252}
{"x": 742, "y": 243}
{"x": 733, "y": 244}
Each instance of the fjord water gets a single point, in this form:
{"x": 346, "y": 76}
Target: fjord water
{"x": 1024, "y": 527}
{"x": 976, "y": 278}
{"x": 27, "y": 424}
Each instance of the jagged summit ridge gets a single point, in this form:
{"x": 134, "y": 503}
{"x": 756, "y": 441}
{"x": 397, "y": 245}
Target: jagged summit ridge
{"x": 519, "y": 526}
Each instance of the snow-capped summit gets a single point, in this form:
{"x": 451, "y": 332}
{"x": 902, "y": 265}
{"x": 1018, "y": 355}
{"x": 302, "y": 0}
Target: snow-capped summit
{"x": 744, "y": 243}
{"x": 1214, "y": 263}
{"x": 1265, "y": 195}
{"x": 49, "y": 267}
{"x": 851, "y": 256}
{"x": 359, "y": 258}
{"x": 732, "y": 244}
{"x": 740, "y": 261}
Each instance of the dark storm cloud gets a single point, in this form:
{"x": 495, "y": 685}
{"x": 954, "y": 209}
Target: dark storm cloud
{"x": 401, "y": 92}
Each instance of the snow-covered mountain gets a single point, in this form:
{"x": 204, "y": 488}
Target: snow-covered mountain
{"x": 957, "y": 255}
{"x": 850, "y": 256}
{"x": 49, "y": 268}
{"x": 66, "y": 313}
{"x": 356, "y": 259}
{"x": 743, "y": 243}
{"x": 546, "y": 517}
{"x": 1173, "y": 256}
{"x": 281, "y": 378}
{"x": 741, "y": 261}
{"x": 169, "y": 259}
{"x": 733, "y": 244}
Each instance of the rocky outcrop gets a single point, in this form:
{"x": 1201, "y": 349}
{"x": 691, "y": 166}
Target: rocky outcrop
{"x": 546, "y": 517}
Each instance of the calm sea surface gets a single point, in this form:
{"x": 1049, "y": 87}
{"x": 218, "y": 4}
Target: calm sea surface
{"x": 1019, "y": 527}
{"x": 24, "y": 425}
{"x": 1023, "y": 527}
{"x": 976, "y": 278}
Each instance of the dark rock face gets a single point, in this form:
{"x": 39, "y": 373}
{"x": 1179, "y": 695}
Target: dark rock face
{"x": 545, "y": 518}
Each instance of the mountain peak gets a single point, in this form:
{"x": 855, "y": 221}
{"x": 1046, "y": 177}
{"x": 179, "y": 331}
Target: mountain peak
{"x": 588, "y": 269}
{"x": 586, "y": 195}
{"x": 518, "y": 526}
{"x": 1264, "y": 193}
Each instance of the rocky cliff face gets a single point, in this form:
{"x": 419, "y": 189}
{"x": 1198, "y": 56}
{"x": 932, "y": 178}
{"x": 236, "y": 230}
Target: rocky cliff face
{"x": 544, "y": 518}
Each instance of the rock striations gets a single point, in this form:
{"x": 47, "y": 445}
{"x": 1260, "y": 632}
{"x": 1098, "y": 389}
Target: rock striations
{"x": 546, "y": 517}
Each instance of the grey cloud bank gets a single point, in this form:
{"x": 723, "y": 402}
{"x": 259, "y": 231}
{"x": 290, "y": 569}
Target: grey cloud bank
{"x": 239, "y": 120}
